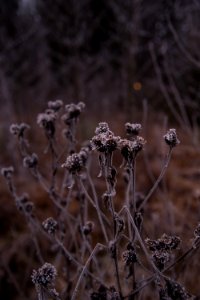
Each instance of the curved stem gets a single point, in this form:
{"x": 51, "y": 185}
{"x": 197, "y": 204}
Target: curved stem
{"x": 163, "y": 171}
{"x": 141, "y": 242}
{"x": 84, "y": 270}
{"x": 96, "y": 206}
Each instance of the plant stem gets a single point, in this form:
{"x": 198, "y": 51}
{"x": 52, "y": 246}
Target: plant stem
{"x": 96, "y": 206}
{"x": 163, "y": 171}
{"x": 84, "y": 270}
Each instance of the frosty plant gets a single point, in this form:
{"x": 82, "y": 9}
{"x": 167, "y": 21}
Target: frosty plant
{"x": 99, "y": 248}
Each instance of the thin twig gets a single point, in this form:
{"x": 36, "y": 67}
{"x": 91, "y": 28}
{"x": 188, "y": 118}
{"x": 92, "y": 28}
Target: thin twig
{"x": 162, "y": 173}
{"x": 85, "y": 268}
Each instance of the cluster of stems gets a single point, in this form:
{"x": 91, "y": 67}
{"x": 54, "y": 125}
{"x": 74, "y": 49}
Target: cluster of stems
{"x": 98, "y": 230}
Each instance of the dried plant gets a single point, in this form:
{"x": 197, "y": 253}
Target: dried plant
{"x": 98, "y": 248}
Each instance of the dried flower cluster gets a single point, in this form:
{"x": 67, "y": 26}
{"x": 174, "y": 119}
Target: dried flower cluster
{"x": 24, "y": 204}
{"x": 73, "y": 112}
{"x": 45, "y": 275}
{"x": 161, "y": 249}
{"x": 19, "y": 129}
{"x": 55, "y": 105}
{"x": 100, "y": 250}
{"x": 50, "y": 225}
{"x": 176, "y": 291}
{"x": 30, "y": 161}
{"x": 133, "y": 129}
{"x": 171, "y": 138}
{"x": 104, "y": 141}
{"x": 160, "y": 258}
{"x": 88, "y": 228}
{"x": 166, "y": 242}
{"x": 129, "y": 149}
{"x": 47, "y": 120}
{"x": 7, "y": 172}
{"x": 130, "y": 256}
{"x": 77, "y": 161}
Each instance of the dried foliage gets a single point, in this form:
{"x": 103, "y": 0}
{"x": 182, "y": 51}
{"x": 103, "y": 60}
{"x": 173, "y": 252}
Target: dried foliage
{"x": 89, "y": 242}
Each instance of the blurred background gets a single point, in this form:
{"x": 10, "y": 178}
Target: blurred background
{"x": 109, "y": 54}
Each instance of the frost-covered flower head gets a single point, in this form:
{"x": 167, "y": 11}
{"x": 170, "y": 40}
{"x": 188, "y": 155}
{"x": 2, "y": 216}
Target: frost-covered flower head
{"x": 171, "y": 138}
{"x": 47, "y": 121}
{"x": 19, "y": 129}
{"x": 129, "y": 149}
{"x": 133, "y": 129}
{"x": 45, "y": 275}
{"x": 77, "y": 161}
{"x": 73, "y": 112}
{"x": 7, "y": 172}
{"x": 50, "y": 225}
{"x": 55, "y": 105}
{"x": 104, "y": 141}
{"x": 30, "y": 161}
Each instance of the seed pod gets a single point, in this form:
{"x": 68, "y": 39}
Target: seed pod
{"x": 87, "y": 228}
{"x": 50, "y": 226}
{"x": 171, "y": 138}
{"x": 30, "y": 161}
{"x": 19, "y": 129}
{"x": 55, "y": 105}
{"x": 7, "y": 172}
{"x": 45, "y": 275}
{"x": 133, "y": 129}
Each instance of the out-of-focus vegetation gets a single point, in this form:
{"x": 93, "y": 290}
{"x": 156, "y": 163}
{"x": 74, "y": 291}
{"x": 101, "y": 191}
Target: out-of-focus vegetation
{"x": 110, "y": 54}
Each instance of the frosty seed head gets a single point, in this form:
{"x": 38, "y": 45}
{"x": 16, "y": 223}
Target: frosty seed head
{"x": 55, "y": 105}
{"x": 165, "y": 243}
{"x": 18, "y": 129}
{"x": 24, "y": 204}
{"x": 47, "y": 121}
{"x": 44, "y": 276}
{"x": 129, "y": 257}
{"x": 171, "y": 138}
{"x": 129, "y": 149}
{"x": 77, "y": 161}
{"x": 133, "y": 129}
{"x": 105, "y": 142}
{"x": 48, "y": 117}
{"x": 7, "y": 172}
{"x": 102, "y": 128}
{"x": 160, "y": 259}
{"x": 88, "y": 228}
{"x": 84, "y": 154}
{"x": 30, "y": 161}
{"x": 74, "y": 163}
{"x": 175, "y": 290}
{"x": 50, "y": 226}
{"x": 73, "y": 111}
